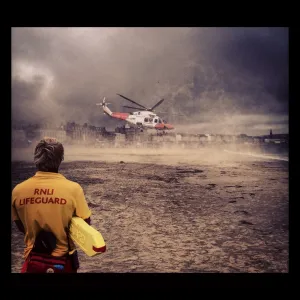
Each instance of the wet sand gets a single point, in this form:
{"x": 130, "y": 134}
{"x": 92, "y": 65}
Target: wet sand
{"x": 165, "y": 210}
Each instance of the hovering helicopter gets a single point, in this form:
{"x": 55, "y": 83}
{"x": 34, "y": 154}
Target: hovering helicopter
{"x": 144, "y": 118}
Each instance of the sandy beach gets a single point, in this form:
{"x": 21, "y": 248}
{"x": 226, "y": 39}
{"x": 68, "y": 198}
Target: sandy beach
{"x": 177, "y": 210}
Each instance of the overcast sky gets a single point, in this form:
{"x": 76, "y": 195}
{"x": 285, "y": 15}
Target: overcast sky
{"x": 221, "y": 80}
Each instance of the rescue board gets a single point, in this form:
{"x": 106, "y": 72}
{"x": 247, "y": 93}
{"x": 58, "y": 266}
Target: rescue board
{"x": 86, "y": 237}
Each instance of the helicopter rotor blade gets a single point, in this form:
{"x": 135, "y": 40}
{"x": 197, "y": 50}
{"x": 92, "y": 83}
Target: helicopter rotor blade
{"x": 131, "y": 107}
{"x": 133, "y": 101}
{"x": 167, "y": 113}
{"x": 158, "y": 103}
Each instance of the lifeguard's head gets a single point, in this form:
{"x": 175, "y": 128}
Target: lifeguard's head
{"x": 48, "y": 155}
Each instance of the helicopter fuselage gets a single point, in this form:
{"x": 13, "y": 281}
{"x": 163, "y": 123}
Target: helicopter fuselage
{"x": 142, "y": 118}
{"x": 148, "y": 120}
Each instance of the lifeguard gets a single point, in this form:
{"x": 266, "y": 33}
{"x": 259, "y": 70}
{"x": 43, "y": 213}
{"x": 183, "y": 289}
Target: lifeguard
{"x": 42, "y": 208}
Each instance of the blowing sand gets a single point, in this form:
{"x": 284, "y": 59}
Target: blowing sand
{"x": 177, "y": 210}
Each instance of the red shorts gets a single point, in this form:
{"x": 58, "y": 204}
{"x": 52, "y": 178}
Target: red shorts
{"x": 67, "y": 269}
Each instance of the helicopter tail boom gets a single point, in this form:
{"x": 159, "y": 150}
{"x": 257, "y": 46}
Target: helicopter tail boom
{"x": 107, "y": 111}
{"x": 105, "y": 108}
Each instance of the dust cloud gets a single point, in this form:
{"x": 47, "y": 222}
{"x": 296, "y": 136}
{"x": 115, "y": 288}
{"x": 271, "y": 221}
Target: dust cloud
{"x": 167, "y": 155}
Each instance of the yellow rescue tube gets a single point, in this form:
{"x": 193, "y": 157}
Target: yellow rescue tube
{"x": 86, "y": 237}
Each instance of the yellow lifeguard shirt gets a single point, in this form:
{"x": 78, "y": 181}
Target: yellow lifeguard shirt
{"x": 48, "y": 201}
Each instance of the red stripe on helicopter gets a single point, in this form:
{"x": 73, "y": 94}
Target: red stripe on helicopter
{"x": 122, "y": 116}
{"x": 164, "y": 126}
{"x": 159, "y": 126}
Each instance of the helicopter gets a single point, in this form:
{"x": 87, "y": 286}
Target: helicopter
{"x": 143, "y": 118}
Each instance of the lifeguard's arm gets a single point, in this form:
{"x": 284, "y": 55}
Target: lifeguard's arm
{"x": 15, "y": 217}
{"x": 81, "y": 207}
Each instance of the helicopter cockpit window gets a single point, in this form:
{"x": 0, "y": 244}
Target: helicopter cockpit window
{"x": 146, "y": 120}
{"x": 159, "y": 120}
{"x": 155, "y": 120}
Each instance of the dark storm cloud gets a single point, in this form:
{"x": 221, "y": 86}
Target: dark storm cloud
{"x": 262, "y": 53}
{"x": 25, "y": 97}
{"x": 203, "y": 73}
{"x": 244, "y": 68}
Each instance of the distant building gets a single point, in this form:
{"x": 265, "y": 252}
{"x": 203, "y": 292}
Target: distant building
{"x": 203, "y": 138}
{"x": 276, "y": 138}
{"x": 60, "y": 135}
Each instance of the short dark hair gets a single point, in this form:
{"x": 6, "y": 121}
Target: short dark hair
{"x": 48, "y": 154}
